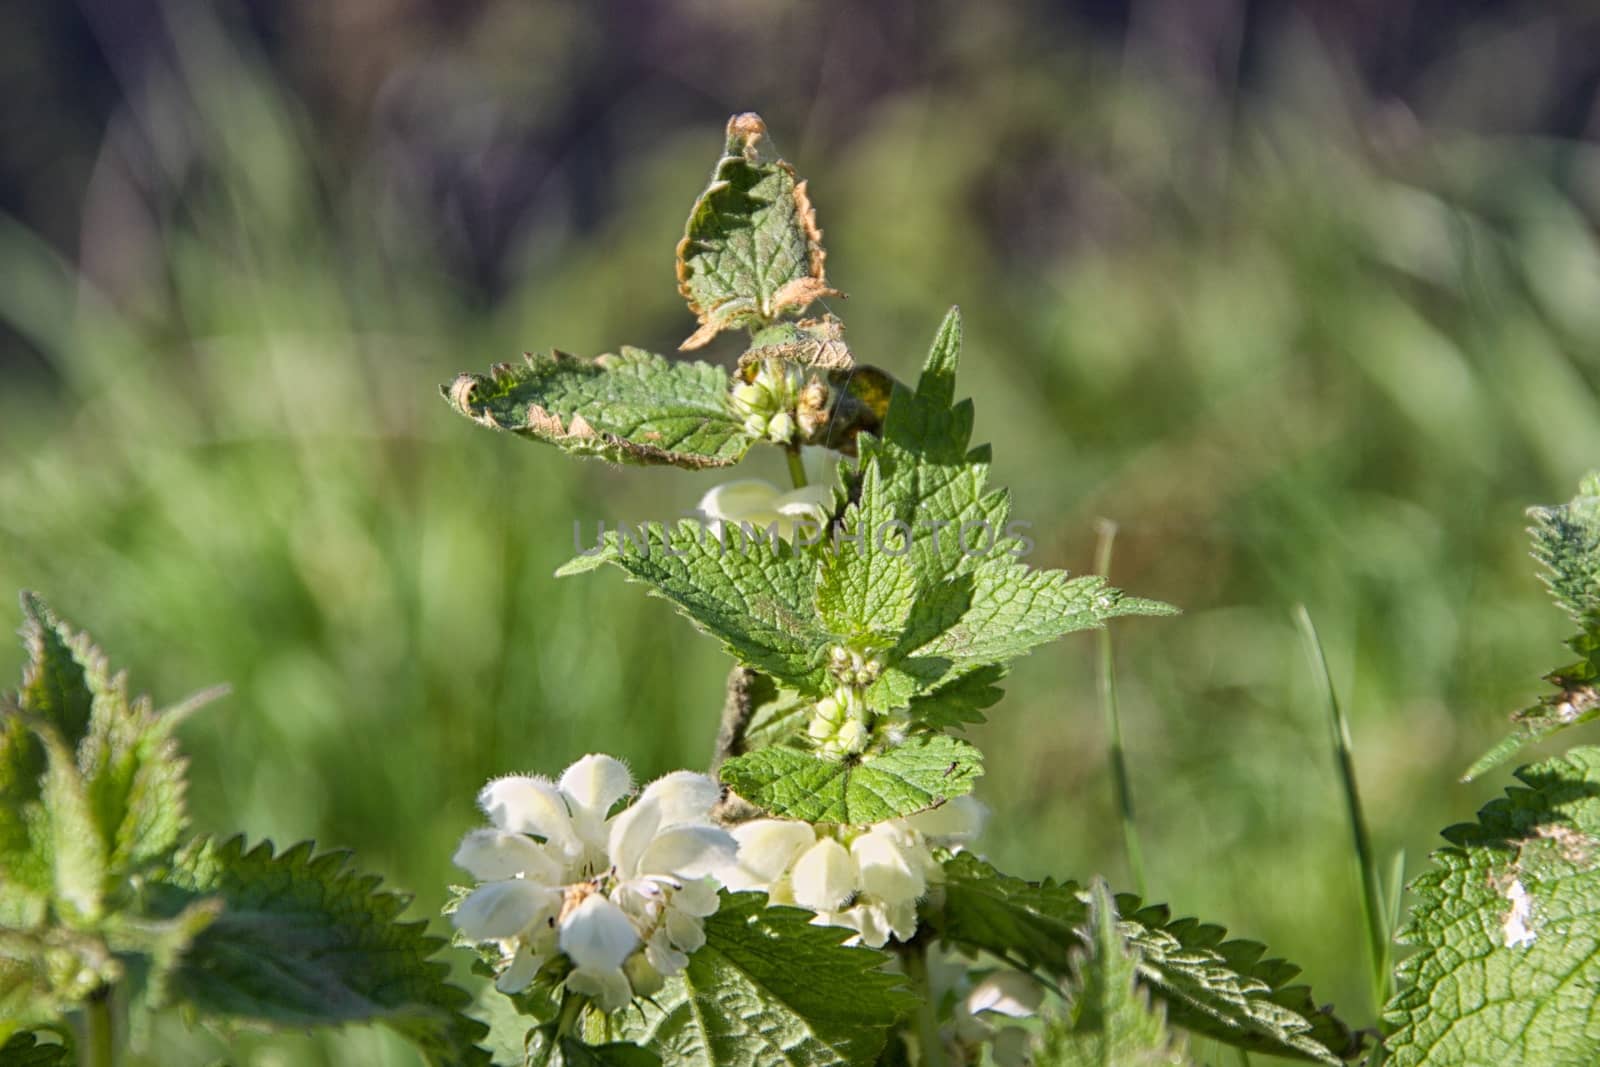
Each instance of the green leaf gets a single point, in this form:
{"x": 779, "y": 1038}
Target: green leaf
{"x": 1209, "y": 985}
{"x": 923, "y": 771}
{"x": 1109, "y": 1022}
{"x": 769, "y": 989}
{"x": 94, "y": 792}
{"x": 1576, "y": 700}
{"x": 55, "y": 683}
{"x": 867, "y": 586}
{"x": 751, "y": 251}
{"x": 24, "y": 1050}
{"x": 1507, "y": 959}
{"x": 575, "y": 1053}
{"x": 304, "y": 940}
{"x": 961, "y": 702}
{"x": 1566, "y": 539}
{"x": 756, "y": 597}
{"x": 634, "y": 407}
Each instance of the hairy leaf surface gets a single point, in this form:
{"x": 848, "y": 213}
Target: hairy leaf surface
{"x": 771, "y": 990}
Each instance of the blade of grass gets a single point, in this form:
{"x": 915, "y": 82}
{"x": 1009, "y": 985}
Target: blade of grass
{"x": 1372, "y": 905}
{"x": 1108, "y": 704}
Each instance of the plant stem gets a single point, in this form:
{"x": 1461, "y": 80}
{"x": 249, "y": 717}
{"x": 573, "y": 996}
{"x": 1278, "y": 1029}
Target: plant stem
{"x": 737, "y": 708}
{"x": 99, "y": 1045}
{"x": 928, "y": 1040}
{"x": 571, "y": 1010}
{"x": 1123, "y": 790}
{"x": 797, "y": 469}
{"x": 1371, "y": 896}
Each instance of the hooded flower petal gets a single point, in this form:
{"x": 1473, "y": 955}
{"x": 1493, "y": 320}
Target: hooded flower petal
{"x": 683, "y": 796}
{"x": 825, "y": 877}
{"x": 595, "y": 783}
{"x": 689, "y": 852}
{"x": 597, "y": 934}
{"x": 760, "y": 504}
{"x": 522, "y": 971}
{"x": 767, "y": 847}
{"x": 630, "y": 834}
{"x": 528, "y": 805}
{"x": 490, "y": 855}
{"x": 609, "y": 987}
{"x": 1006, "y": 993}
{"x": 696, "y": 897}
{"x": 890, "y": 865}
{"x": 687, "y": 932}
{"x": 498, "y": 910}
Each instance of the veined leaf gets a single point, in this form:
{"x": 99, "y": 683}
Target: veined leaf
{"x": 923, "y": 771}
{"x": 1508, "y": 958}
{"x": 751, "y": 250}
{"x": 304, "y": 940}
{"x": 1209, "y": 985}
{"x": 634, "y": 407}
{"x": 753, "y": 595}
{"x": 1109, "y": 1021}
{"x": 769, "y": 989}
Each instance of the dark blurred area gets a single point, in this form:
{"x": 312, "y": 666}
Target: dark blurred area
{"x": 1305, "y": 296}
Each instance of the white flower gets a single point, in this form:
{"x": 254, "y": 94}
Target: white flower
{"x": 759, "y": 505}
{"x": 980, "y": 1015}
{"x": 621, "y": 896}
{"x": 867, "y": 879}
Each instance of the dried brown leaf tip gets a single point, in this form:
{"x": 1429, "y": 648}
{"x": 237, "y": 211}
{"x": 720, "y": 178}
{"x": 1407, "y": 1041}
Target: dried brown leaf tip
{"x": 751, "y": 252}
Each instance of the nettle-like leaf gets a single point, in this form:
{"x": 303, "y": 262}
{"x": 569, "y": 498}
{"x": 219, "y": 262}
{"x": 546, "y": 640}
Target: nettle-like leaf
{"x": 751, "y": 251}
{"x": 919, "y": 572}
{"x": 790, "y": 783}
{"x": 304, "y": 940}
{"x": 634, "y": 407}
{"x": 1209, "y": 985}
{"x": 1566, "y": 540}
{"x": 769, "y": 989}
{"x": 1508, "y": 950}
{"x": 91, "y": 779}
{"x": 1109, "y": 1020}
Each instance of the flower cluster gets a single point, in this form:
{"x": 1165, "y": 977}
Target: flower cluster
{"x": 841, "y": 723}
{"x": 622, "y": 896}
{"x": 768, "y": 400}
{"x": 868, "y": 880}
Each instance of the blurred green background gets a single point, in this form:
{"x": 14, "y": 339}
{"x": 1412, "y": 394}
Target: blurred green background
{"x": 1305, "y": 297}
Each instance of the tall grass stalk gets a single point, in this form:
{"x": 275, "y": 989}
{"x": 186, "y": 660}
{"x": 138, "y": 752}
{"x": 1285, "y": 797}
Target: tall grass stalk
{"x": 1372, "y": 901}
{"x": 1108, "y": 705}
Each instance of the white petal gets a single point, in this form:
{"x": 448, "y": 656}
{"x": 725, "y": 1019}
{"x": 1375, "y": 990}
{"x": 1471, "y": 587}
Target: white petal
{"x": 961, "y": 818}
{"x": 744, "y": 500}
{"x": 890, "y": 864}
{"x": 870, "y": 922}
{"x": 767, "y": 847}
{"x": 597, "y": 934}
{"x": 902, "y": 919}
{"x": 595, "y": 783}
{"x": 1006, "y": 993}
{"x": 524, "y": 968}
{"x": 490, "y": 855}
{"x": 608, "y": 986}
{"x": 697, "y": 897}
{"x": 631, "y": 832}
{"x": 825, "y": 876}
{"x": 687, "y": 932}
{"x": 684, "y": 796}
{"x": 527, "y": 805}
{"x": 498, "y": 910}
{"x": 663, "y": 956}
{"x": 689, "y": 852}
